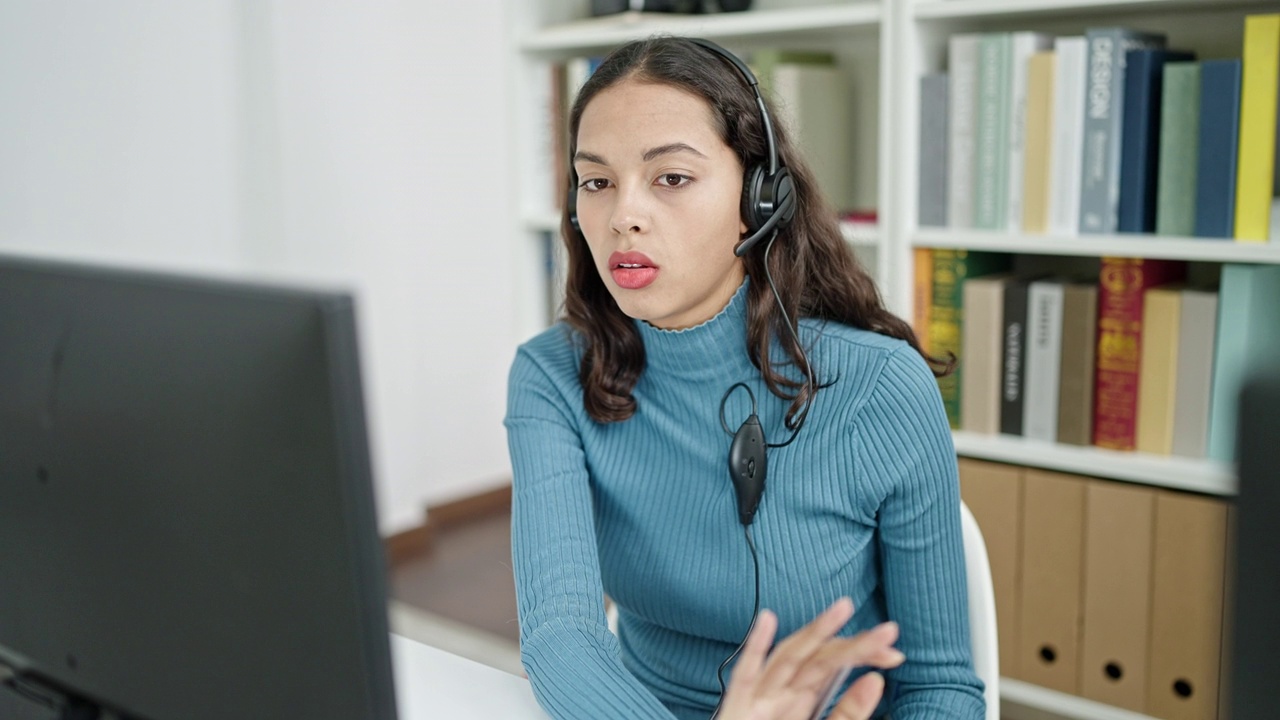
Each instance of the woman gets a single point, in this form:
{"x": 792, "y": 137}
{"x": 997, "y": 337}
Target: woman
{"x": 620, "y": 420}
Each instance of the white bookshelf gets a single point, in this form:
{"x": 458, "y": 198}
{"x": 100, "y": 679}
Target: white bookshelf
{"x": 907, "y": 38}
{"x": 1193, "y": 475}
{"x": 1149, "y": 246}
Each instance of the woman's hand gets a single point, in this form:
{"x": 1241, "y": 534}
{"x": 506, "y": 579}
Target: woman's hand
{"x": 795, "y": 677}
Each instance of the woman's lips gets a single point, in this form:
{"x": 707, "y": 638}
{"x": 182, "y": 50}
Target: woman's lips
{"x": 632, "y": 270}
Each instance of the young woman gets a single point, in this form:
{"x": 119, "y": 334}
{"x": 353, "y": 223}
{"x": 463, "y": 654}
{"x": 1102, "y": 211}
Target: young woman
{"x": 621, "y": 420}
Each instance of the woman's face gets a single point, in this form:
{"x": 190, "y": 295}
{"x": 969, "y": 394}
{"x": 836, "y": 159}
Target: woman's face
{"x": 658, "y": 201}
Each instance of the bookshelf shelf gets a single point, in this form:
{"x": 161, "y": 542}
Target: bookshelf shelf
{"x": 1023, "y": 694}
{"x": 1175, "y": 473}
{"x": 1145, "y": 246}
{"x": 609, "y": 31}
{"x": 861, "y": 234}
{"x": 998, "y": 9}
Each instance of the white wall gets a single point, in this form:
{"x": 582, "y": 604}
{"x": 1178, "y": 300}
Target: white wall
{"x": 358, "y": 144}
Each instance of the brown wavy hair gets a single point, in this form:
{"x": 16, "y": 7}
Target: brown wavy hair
{"x": 813, "y": 268}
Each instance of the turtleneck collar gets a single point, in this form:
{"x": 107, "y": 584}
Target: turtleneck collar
{"x": 704, "y": 349}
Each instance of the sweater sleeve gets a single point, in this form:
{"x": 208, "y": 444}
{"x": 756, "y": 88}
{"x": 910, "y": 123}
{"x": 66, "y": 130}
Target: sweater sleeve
{"x": 573, "y": 660}
{"x": 906, "y": 452}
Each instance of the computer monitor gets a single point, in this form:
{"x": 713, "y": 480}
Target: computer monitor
{"x": 187, "y": 525}
{"x": 1254, "y": 662}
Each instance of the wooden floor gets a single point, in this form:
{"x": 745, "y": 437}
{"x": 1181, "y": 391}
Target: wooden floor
{"x": 465, "y": 576}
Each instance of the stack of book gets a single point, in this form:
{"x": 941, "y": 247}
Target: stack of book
{"x": 1111, "y": 132}
{"x": 1133, "y": 359}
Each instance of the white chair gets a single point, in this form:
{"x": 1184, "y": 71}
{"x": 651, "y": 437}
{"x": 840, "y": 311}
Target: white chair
{"x": 982, "y": 611}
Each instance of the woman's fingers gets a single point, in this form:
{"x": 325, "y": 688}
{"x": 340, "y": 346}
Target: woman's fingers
{"x": 740, "y": 696}
{"x": 860, "y": 699}
{"x": 790, "y": 654}
{"x": 873, "y": 648}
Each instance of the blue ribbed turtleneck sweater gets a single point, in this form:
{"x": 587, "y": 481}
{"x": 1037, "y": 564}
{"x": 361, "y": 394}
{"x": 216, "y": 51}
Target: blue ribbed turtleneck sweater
{"x": 865, "y": 504}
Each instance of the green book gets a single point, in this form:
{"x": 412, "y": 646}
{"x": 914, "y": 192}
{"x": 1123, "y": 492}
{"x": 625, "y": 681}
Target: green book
{"x": 1248, "y": 339}
{"x": 991, "y": 145}
{"x": 1179, "y": 150}
{"x": 951, "y": 268}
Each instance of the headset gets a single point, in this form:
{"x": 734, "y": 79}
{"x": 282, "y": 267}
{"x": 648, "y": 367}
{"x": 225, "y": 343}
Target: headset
{"x": 769, "y": 193}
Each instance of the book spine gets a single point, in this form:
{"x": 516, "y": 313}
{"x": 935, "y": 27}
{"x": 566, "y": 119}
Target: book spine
{"x": 962, "y": 117}
{"x": 1248, "y": 341}
{"x": 1257, "y": 158}
{"x": 1140, "y": 138}
{"x": 1121, "y": 288}
{"x": 922, "y": 298}
{"x": 1158, "y": 370}
{"x": 1197, "y": 338}
{"x": 1044, "y": 357}
{"x": 1219, "y": 143}
{"x": 1039, "y": 133}
{"x": 980, "y": 394}
{"x": 1022, "y": 46}
{"x": 991, "y": 152}
{"x": 933, "y": 151}
{"x": 1103, "y": 123}
{"x": 945, "y": 319}
{"x": 1013, "y": 362}
{"x": 1076, "y": 377}
{"x": 1179, "y": 141}
{"x": 1068, "y": 135}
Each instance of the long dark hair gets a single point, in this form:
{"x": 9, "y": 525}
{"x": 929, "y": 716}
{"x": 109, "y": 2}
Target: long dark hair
{"x": 813, "y": 268}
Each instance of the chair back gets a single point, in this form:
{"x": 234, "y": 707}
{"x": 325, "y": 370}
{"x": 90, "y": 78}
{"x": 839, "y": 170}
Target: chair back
{"x": 982, "y": 611}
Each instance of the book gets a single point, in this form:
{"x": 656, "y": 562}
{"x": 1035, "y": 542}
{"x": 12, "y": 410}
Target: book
{"x": 1034, "y": 199}
{"x": 1140, "y": 137}
{"x": 1022, "y": 46}
{"x": 933, "y": 151}
{"x": 1103, "y": 122}
{"x": 1122, "y": 286}
{"x": 951, "y": 268}
{"x": 992, "y": 127}
{"x": 1076, "y": 368}
{"x": 1197, "y": 338}
{"x": 1158, "y": 369}
{"x": 1255, "y": 180}
{"x": 1179, "y": 150}
{"x": 1013, "y": 360}
{"x": 922, "y": 295}
{"x": 962, "y": 61}
{"x": 1248, "y": 339}
{"x": 1068, "y": 135}
{"x": 815, "y": 102}
{"x": 980, "y": 392}
{"x": 1216, "y": 156}
{"x": 1044, "y": 359}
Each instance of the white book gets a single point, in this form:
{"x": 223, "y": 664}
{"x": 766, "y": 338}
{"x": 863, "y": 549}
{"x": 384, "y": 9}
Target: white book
{"x": 962, "y": 64}
{"x": 814, "y": 102}
{"x": 1024, "y": 45}
{"x": 1043, "y": 360}
{"x": 1197, "y": 338}
{"x": 1068, "y": 135}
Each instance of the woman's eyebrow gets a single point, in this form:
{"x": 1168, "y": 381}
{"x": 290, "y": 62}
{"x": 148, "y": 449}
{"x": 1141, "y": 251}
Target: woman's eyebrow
{"x": 585, "y": 156}
{"x": 670, "y": 148}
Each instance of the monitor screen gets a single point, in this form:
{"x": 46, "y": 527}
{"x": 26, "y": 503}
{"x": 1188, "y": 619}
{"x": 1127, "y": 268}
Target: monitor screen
{"x": 187, "y": 523}
{"x": 1254, "y": 665}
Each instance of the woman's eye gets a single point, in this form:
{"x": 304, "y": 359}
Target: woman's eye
{"x": 594, "y": 184}
{"x": 673, "y": 180}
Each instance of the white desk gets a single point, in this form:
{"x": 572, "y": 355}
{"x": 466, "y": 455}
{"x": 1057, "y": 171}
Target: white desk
{"x": 432, "y": 684}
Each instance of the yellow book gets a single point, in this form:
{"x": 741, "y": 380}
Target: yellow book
{"x": 1158, "y": 373}
{"x": 1258, "y": 95}
{"x": 922, "y": 299}
{"x": 1035, "y": 174}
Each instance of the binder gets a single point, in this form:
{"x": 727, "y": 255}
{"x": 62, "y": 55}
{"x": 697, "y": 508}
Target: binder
{"x": 1119, "y": 534}
{"x": 993, "y": 493}
{"x": 1188, "y": 580}
{"x": 1052, "y": 563}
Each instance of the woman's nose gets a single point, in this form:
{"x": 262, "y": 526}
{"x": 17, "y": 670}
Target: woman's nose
{"x": 631, "y": 213}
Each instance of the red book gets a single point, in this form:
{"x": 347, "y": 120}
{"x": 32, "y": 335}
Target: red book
{"x": 1122, "y": 284}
